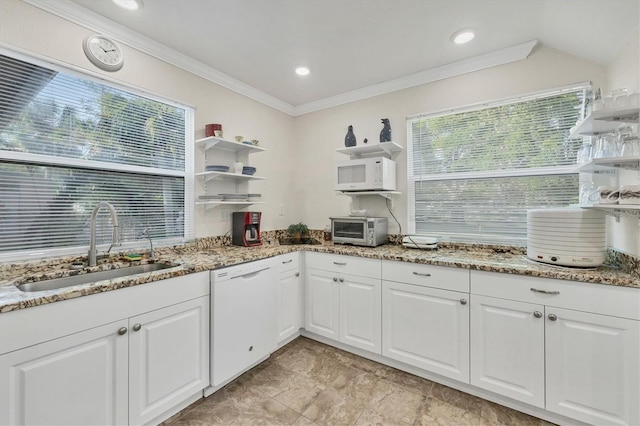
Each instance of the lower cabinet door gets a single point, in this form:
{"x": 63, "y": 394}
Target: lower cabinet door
{"x": 593, "y": 370}
{"x": 427, "y": 328}
{"x": 322, "y": 313}
{"x": 289, "y": 304}
{"x": 360, "y": 312}
{"x": 507, "y": 348}
{"x": 79, "y": 379}
{"x": 168, "y": 358}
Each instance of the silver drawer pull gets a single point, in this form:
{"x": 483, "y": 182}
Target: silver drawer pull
{"x": 340, "y": 263}
{"x": 288, "y": 261}
{"x": 535, "y": 290}
{"x": 421, "y": 274}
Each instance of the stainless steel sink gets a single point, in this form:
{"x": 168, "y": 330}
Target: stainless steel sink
{"x": 92, "y": 277}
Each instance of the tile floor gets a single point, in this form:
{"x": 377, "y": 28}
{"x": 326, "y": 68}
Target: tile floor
{"x": 309, "y": 383}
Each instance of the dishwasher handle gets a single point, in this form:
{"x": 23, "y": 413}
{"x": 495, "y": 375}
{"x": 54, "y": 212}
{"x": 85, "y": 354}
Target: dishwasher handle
{"x": 250, "y": 273}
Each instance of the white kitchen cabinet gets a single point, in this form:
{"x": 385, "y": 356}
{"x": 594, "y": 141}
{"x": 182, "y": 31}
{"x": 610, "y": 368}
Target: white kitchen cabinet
{"x": 290, "y": 294}
{"x": 343, "y": 299}
{"x": 244, "y": 311}
{"x": 322, "y": 310}
{"x": 85, "y": 361}
{"x": 593, "y": 372}
{"x": 590, "y": 351}
{"x": 74, "y": 380}
{"x": 507, "y": 348}
{"x": 168, "y": 358}
{"x": 427, "y": 328}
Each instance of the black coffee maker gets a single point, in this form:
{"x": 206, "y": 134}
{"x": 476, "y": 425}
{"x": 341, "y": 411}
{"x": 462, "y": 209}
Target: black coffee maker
{"x": 246, "y": 229}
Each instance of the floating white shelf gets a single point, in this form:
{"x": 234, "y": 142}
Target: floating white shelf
{"x": 212, "y": 175}
{"x": 228, "y": 145}
{"x": 384, "y": 194}
{"x": 628, "y": 163}
{"x": 605, "y": 121}
{"x": 387, "y": 148}
{"x": 211, "y": 204}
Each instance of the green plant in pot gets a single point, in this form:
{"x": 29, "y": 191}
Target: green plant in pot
{"x": 298, "y": 231}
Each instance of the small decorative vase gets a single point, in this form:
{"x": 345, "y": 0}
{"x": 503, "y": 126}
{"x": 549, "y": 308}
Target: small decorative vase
{"x": 350, "y": 138}
{"x": 385, "y": 134}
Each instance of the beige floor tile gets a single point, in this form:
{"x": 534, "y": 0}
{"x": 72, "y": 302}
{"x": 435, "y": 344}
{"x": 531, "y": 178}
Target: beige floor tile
{"x": 437, "y": 412}
{"x": 303, "y": 421}
{"x": 309, "y": 383}
{"x": 332, "y": 407}
{"x": 494, "y": 414}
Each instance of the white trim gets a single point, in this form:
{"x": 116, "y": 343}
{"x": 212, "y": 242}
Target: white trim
{"x": 534, "y": 171}
{"x": 80, "y": 163}
{"x": 488, "y": 60}
{"x": 77, "y": 14}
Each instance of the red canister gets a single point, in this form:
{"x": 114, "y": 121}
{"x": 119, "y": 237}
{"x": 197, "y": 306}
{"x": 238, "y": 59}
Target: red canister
{"x": 209, "y": 129}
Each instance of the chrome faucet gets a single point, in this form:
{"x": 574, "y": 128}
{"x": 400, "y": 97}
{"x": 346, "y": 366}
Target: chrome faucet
{"x": 92, "y": 243}
{"x": 152, "y": 256}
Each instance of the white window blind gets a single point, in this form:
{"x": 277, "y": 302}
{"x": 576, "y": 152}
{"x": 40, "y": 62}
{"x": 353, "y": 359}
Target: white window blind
{"x": 69, "y": 141}
{"x": 473, "y": 173}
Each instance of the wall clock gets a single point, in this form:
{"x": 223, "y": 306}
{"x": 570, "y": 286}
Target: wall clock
{"x": 103, "y": 52}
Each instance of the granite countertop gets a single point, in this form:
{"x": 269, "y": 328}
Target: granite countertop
{"x": 191, "y": 258}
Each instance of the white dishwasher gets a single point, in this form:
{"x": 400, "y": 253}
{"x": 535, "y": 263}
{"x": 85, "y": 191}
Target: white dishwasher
{"x": 244, "y": 300}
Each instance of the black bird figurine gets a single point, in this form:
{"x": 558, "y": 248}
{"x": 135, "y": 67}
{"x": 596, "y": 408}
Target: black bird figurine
{"x": 385, "y": 134}
{"x": 350, "y": 138}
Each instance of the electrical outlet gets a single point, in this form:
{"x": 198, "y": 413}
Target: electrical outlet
{"x": 225, "y": 214}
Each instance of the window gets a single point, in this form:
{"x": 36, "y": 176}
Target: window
{"x": 473, "y": 173}
{"x": 69, "y": 141}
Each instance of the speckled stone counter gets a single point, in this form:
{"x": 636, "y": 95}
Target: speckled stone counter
{"x": 204, "y": 255}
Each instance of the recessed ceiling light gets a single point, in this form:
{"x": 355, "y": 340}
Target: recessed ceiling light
{"x": 129, "y": 4}
{"x": 463, "y": 36}
{"x": 302, "y": 71}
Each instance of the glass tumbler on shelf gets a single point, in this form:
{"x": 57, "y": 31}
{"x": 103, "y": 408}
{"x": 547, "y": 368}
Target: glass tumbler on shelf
{"x": 630, "y": 147}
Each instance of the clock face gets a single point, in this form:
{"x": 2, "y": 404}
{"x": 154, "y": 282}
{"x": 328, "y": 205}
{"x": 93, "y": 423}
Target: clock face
{"x": 103, "y": 53}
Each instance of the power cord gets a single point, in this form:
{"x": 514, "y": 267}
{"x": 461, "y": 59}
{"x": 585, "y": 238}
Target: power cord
{"x": 400, "y": 228}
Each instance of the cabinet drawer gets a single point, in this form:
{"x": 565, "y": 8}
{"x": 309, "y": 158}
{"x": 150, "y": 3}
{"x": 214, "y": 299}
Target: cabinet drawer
{"x": 456, "y": 279}
{"x": 286, "y": 262}
{"x": 345, "y": 264}
{"x": 603, "y": 299}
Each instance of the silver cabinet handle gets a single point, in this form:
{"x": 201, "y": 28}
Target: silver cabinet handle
{"x": 297, "y": 274}
{"x": 335, "y": 279}
{"x": 137, "y": 327}
{"x": 553, "y": 317}
{"x": 341, "y": 280}
{"x": 537, "y": 314}
{"x": 250, "y": 348}
{"x": 287, "y": 261}
{"x": 463, "y": 301}
{"x": 340, "y": 263}
{"x": 122, "y": 331}
{"x": 535, "y": 290}
{"x": 421, "y": 274}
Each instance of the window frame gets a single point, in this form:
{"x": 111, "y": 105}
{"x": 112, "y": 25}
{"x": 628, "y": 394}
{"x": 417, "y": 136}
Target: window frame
{"x": 412, "y": 179}
{"x": 47, "y": 160}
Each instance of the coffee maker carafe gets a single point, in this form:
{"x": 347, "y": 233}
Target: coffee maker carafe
{"x": 246, "y": 229}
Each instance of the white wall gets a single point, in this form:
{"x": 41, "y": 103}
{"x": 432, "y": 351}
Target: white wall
{"x": 319, "y": 134}
{"x": 624, "y": 72}
{"x": 30, "y": 29}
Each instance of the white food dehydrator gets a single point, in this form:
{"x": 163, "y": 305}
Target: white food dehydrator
{"x": 567, "y": 236}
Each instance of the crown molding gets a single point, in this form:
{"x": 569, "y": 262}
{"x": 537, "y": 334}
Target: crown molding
{"x": 79, "y": 15}
{"x": 488, "y": 60}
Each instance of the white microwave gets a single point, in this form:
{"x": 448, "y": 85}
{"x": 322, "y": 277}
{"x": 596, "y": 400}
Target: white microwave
{"x": 366, "y": 174}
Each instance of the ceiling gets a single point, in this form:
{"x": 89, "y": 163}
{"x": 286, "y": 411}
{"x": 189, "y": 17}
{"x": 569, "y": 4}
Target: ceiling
{"x": 353, "y": 44}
